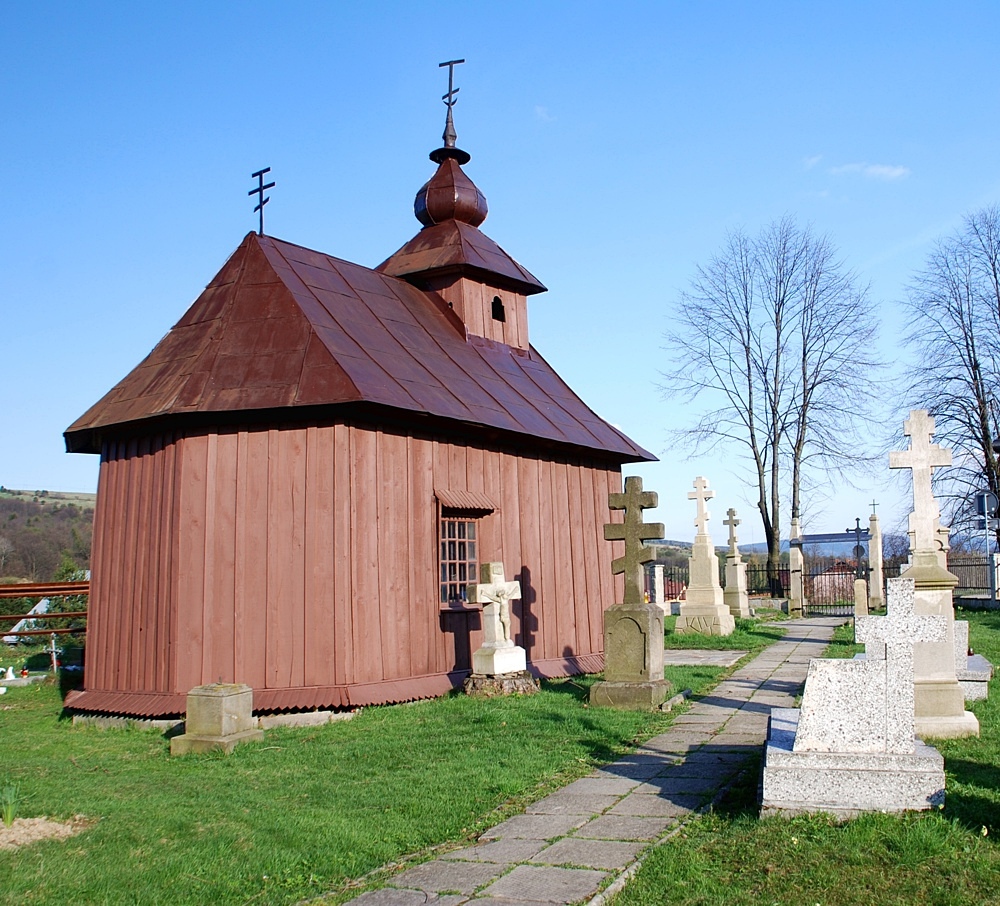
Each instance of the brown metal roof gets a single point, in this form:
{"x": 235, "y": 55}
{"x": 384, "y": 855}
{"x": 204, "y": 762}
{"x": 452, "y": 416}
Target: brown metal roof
{"x": 464, "y": 500}
{"x": 282, "y": 327}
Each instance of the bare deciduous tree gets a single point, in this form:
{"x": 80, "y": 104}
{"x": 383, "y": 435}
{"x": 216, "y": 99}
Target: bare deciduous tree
{"x": 954, "y": 305}
{"x": 773, "y": 333}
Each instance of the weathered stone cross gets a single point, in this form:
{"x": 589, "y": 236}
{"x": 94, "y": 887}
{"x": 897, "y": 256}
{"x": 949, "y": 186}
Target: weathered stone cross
{"x": 701, "y": 493}
{"x": 493, "y": 589}
{"x": 633, "y": 531}
{"x": 732, "y": 522}
{"x": 890, "y": 638}
{"x": 922, "y": 458}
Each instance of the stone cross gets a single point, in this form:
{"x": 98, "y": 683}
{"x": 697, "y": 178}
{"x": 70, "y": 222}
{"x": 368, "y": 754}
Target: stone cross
{"x": 493, "y": 589}
{"x": 701, "y": 493}
{"x": 732, "y": 522}
{"x": 890, "y": 638}
{"x": 922, "y": 458}
{"x": 633, "y": 531}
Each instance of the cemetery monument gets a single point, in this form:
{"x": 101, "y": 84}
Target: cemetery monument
{"x": 735, "y": 594}
{"x": 705, "y": 609}
{"x": 499, "y": 666}
{"x": 876, "y": 598}
{"x": 633, "y": 630}
{"x": 796, "y": 565}
{"x": 851, "y": 747}
{"x": 939, "y": 699}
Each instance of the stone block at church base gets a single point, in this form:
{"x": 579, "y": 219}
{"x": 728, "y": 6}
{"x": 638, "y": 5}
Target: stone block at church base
{"x": 219, "y": 718}
{"x": 845, "y": 784}
{"x": 522, "y": 683}
{"x": 707, "y": 619}
{"x": 645, "y": 696}
{"x": 488, "y": 661}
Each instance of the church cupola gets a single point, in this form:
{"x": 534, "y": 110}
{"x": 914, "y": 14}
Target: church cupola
{"x": 484, "y": 285}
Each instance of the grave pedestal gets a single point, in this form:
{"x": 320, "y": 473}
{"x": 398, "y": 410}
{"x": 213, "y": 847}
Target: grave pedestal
{"x": 705, "y": 609}
{"x": 973, "y": 671}
{"x": 845, "y": 784}
{"x": 735, "y": 593}
{"x": 633, "y": 659}
{"x": 939, "y": 700}
{"x": 219, "y": 717}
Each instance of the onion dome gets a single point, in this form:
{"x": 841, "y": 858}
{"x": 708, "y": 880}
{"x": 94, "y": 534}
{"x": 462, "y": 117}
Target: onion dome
{"x": 450, "y": 195}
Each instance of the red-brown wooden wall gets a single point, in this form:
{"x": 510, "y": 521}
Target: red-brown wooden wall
{"x": 303, "y": 561}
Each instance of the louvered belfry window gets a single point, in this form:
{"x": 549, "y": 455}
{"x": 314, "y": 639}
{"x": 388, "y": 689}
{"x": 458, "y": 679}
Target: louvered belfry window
{"x": 458, "y": 558}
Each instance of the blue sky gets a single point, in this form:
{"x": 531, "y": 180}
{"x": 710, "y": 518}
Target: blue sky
{"x": 616, "y": 145}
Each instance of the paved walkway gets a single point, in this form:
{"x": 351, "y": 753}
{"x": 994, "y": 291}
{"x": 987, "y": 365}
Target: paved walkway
{"x": 601, "y": 824}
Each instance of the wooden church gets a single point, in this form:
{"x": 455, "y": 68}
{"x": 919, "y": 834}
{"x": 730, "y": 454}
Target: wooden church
{"x": 299, "y": 480}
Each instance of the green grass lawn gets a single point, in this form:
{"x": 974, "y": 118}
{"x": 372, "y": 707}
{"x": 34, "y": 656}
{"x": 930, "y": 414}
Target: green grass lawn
{"x": 950, "y": 857}
{"x": 304, "y": 812}
{"x": 749, "y": 635}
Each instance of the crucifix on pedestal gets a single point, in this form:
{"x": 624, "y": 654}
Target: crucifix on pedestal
{"x": 633, "y": 531}
{"x": 922, "y": 458}
{"x": 702, "y": 494}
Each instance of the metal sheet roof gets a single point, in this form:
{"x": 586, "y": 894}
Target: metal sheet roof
{"x": 282, "y": 327}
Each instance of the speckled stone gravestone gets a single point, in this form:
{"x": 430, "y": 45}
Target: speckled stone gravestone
{"x": 633, "y": 630}
{"x": 735, "y": 593}
{"x": 851, "y": 747}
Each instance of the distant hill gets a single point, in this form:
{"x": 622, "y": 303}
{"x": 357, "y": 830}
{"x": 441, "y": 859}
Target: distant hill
{"x": 41, "y": 531}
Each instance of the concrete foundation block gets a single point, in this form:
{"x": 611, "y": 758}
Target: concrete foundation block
{"x": 496, "y": 661}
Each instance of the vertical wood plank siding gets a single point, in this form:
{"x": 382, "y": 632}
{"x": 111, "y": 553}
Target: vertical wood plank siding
{"x": 307, "y": 557}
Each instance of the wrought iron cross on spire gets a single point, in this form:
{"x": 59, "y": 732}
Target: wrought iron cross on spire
{"x": 259, "y": 192}
{"x": 450, "y": 99}
{"x": 633, "y": 532}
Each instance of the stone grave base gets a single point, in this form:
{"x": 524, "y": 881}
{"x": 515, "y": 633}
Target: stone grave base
{"x": 645, "y": 696}
{"x": 844, "y": 785}
{"x": 708, "y": 619}
{"x": 219, "y": 717}
{"x": 499, "y": 661}
{"x": 520, "y": 683}
{"x": 975, "y": 678}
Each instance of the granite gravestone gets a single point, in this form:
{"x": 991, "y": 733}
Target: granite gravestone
{"x": 851, "y": 747}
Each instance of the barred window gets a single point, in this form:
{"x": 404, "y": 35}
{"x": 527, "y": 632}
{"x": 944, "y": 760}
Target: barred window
{"x": 458, "y": 558}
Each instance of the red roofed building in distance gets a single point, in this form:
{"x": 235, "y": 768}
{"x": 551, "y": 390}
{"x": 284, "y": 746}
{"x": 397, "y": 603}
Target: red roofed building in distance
{"x": 299, "y": 480}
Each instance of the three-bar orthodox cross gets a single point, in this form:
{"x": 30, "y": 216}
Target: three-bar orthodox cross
{"x": 702, "y": 494}
{"x": 450, "y": 99}
{"x": 732, "y": 522}
{"x": 259, "y": 192}
{"x": 922, "y": 458}
{"x": 633, "y": 531}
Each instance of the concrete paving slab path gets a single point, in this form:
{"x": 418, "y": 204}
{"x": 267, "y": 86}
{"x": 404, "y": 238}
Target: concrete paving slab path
{"x": 602, "y": 824}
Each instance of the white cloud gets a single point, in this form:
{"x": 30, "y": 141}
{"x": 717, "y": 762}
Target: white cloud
{"x": 886, "y": 172}
{"x": 542, "y": 113}
{"x": 810, "y": 162}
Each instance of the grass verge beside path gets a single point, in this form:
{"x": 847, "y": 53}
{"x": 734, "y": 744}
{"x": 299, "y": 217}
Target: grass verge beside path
{"x": 947, "y": 858}
{"x": 749, "y": 635}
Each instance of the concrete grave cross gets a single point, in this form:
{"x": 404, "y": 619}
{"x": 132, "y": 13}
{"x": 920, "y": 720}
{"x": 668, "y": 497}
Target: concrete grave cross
{"x": 633, "y": 531}
{"x": 702, "y": 494}
{"x": 890, "y": 638}
{"x": 922, "y": 457}
{"x": 494, "y": 589}
{"x": 732, "y": 522}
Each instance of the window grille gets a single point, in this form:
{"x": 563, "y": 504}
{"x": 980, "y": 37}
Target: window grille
{"x": 458, "y": 558}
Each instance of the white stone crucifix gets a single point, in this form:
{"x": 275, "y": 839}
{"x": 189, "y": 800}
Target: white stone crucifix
{"x": 922, "y": 457}
{"x": 732, "y": 522}
{"x": 495, "y": 594}
{"x": 702, "y": 494}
